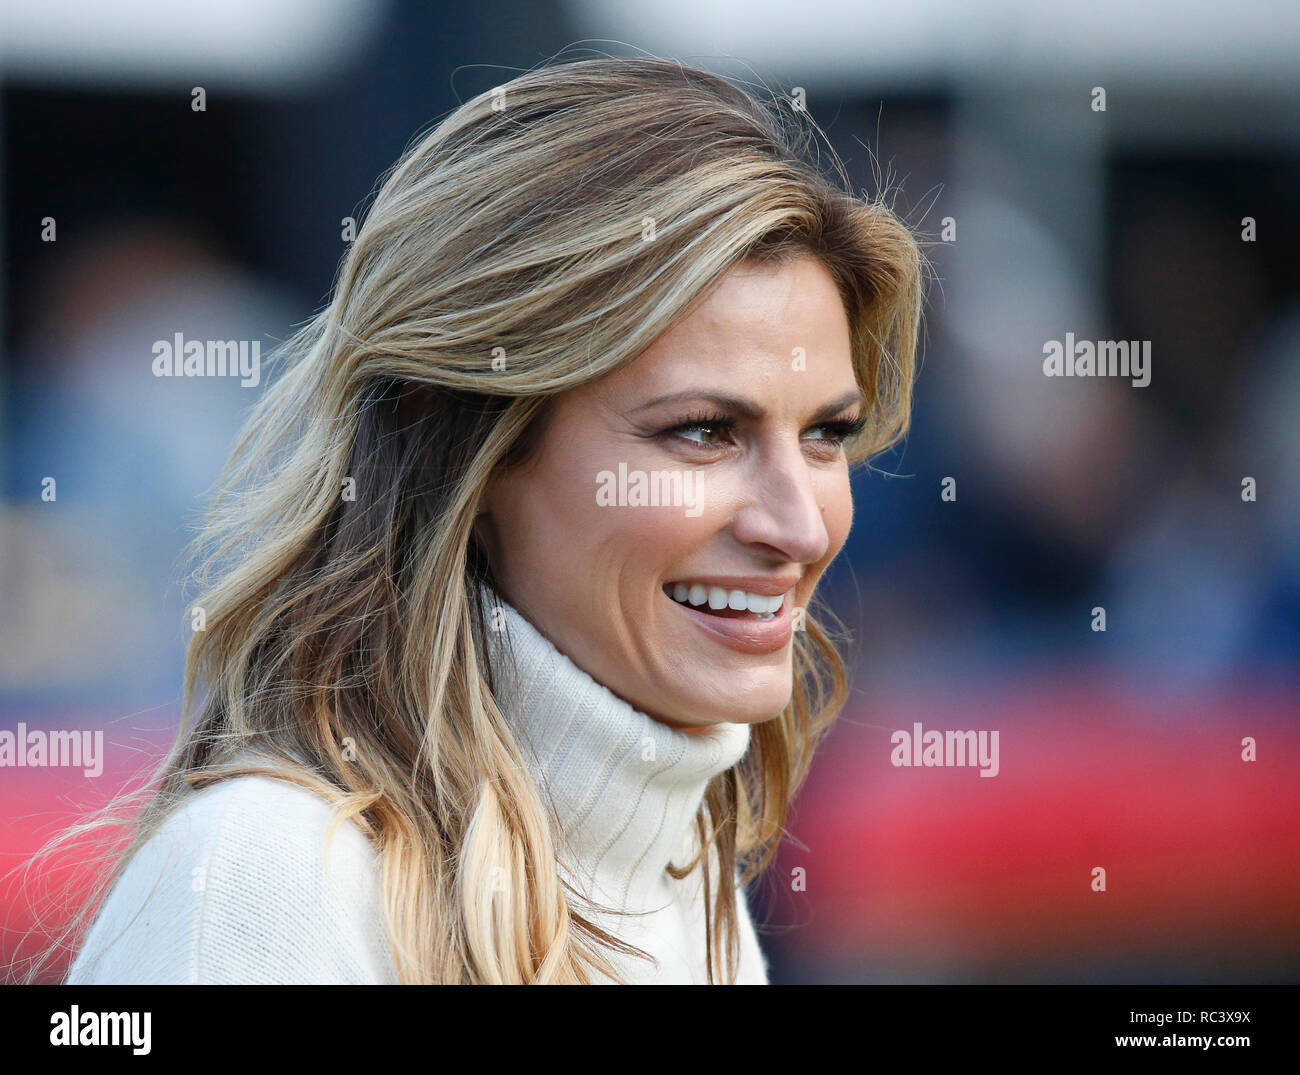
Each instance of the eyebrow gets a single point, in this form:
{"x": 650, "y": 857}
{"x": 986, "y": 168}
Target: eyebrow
{"x": 747, "y": 408}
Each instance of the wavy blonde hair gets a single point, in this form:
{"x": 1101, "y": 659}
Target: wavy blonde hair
{"x": 517, "y": 224}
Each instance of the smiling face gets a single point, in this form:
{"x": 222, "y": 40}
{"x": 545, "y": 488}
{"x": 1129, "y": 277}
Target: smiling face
{"x": 725, "y": 410}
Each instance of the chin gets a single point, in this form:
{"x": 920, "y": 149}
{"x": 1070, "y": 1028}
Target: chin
{"x": 756, "y": 709}
{"x": 761, "y": 715}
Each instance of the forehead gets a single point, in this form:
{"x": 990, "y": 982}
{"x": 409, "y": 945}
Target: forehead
{"x": 746, "y": 330}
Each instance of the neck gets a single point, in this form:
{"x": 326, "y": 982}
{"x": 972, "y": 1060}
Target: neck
{"x": 625, "y": 787}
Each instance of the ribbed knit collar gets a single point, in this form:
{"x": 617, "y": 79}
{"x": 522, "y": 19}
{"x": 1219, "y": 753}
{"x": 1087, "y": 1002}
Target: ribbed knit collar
{"x": 626, "y": 787}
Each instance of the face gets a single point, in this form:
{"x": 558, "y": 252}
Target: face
{"x": 677, "y": 514}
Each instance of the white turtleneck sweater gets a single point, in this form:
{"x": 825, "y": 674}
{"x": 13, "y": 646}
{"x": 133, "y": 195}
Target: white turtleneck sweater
{"x": 236, "y": 887}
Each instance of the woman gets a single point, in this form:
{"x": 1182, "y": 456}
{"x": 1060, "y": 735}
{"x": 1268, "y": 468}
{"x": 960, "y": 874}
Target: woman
{"x": 506, "y": 667}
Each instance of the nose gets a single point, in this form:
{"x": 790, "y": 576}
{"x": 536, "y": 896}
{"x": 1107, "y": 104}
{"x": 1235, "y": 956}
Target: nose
{"x": 784, "y": 511}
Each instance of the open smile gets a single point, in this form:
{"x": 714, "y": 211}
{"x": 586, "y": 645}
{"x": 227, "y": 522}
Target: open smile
{"x": 755, "y": 618}
{"x": 730, "y": 603}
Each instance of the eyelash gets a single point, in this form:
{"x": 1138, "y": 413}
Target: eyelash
{"x": 840, "y": 430}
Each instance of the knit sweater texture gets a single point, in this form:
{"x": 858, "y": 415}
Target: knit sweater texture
{"x": 241, "y": 886}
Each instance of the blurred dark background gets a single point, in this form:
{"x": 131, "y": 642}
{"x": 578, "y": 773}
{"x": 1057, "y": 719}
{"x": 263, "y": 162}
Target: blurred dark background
{"x": 1043, "y": 215}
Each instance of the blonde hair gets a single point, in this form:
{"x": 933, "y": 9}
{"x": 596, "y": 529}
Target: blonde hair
{"x": 517, "y": 228}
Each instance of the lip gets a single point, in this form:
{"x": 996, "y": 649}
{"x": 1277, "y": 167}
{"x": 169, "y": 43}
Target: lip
{"x": 744, "y": 635}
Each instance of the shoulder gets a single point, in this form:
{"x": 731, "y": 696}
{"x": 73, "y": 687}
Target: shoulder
{"x": 244, "y": 883}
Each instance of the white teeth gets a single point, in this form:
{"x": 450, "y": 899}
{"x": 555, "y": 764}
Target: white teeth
{"x": 760, "y": 605}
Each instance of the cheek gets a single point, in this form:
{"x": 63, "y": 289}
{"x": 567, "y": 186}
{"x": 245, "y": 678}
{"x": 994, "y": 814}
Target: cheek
{"x": 553, "y": 522}
{"x": 541, "y": 517}
{"x": 640, "y": 544}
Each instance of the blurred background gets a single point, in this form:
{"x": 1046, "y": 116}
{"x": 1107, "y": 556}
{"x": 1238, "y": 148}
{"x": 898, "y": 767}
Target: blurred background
{"x": 129, "y": 216}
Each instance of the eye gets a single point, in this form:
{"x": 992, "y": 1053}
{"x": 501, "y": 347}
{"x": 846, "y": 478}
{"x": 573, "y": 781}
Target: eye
{"x": 706, "y": 433}
{"x": 708, "y": 430}
{"x": 837, "y": 432}
{"x": 715, "y": 431}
